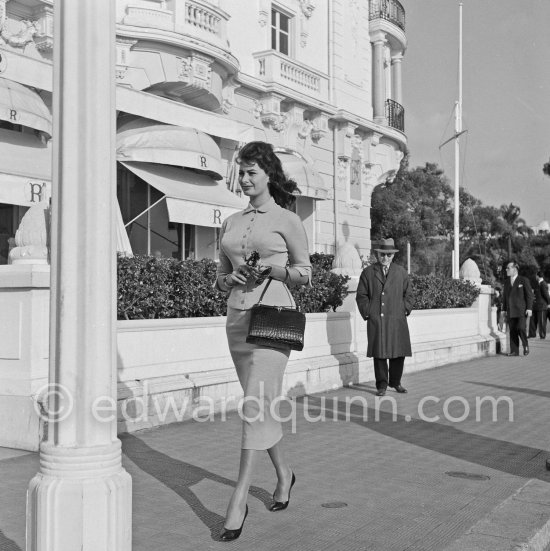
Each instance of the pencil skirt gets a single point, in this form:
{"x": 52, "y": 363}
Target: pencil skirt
{"x": 260, "y": 370}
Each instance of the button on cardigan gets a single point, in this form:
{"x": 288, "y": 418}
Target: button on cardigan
{"x": 279, "y": 237}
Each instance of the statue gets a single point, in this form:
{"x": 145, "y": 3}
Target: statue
{"x": 31, "y": 238}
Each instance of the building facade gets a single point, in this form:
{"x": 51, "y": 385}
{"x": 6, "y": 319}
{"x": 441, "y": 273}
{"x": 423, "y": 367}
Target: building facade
{"x": 196, "y": 79}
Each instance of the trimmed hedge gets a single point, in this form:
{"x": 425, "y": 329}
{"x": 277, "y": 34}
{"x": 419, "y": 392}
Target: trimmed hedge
{"x": 328, "y": 290}
{"x": 432, "y": 292}
{"x": 151, "y": 288}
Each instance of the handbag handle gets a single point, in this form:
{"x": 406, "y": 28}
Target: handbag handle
{"x": 267, "y": 285}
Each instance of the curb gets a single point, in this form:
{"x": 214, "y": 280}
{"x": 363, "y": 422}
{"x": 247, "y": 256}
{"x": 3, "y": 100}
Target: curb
{"x": 520, "y": 523}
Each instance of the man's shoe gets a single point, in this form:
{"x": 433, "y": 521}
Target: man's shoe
{"x": 400, "y": 389}
{"x": 513, "y": 354}
{"x": 381, "y": 392}
{"x": 526, "y": 351}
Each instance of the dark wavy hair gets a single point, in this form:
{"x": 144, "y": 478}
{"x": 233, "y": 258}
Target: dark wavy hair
{"x": 281, "y": 188}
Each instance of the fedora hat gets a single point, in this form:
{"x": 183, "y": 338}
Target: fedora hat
{"x": 386, "y": 246}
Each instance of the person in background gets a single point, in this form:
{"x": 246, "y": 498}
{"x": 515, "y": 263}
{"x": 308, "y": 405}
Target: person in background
{"x": 540, "y": 308}
{"x": 384, "y": 298}
{"x": 497, "y": 301}
{"x": 517, "y": 304}
{"x": 268, "y": 233}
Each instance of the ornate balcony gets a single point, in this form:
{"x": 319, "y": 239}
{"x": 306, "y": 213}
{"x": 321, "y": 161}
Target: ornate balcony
{"x": 395, "y": 113}
{"x": 194, "y": 18}
{"x": 277, "y": 69}
{"x": 390, "y": 10}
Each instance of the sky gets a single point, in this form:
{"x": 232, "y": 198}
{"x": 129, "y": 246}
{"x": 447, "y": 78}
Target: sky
{"x": 506, "y": 96}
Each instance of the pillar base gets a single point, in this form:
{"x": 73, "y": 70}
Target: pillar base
{"x": 81, "y": 499}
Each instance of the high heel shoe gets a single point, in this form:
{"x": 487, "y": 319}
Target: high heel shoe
{"x": 282, "y": 505}
{"x": 230, "y": 535}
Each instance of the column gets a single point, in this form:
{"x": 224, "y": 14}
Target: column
{"x": 397, "y": 89}
{"x": 379, "y": 91}
{"x": 81, "y": 496}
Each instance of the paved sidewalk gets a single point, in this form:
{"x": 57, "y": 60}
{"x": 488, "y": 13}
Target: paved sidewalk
{"x": 420, "y": 481}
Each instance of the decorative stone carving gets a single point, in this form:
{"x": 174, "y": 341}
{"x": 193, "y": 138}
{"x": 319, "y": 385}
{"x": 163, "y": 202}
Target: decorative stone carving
{"x": 349, "y": 130}
{"x": 307, "y": 7}
{"x": 305, "y": 129}
{"x": 44, "y": 25}
{"x": 375, "y": 138}
{"x": 228, "y": 94}
{"x": 302, "y": 124}
{"x": 258, "y": 109}
{"x": 356, "y": 169}
{"x": 319, "y": 126}
{"x": 21, "y": 37}
{"x": 195, "y": 71}
{"x": 268, "y": 110}
{"x": 297, "y": 126}
{"x": 343, "y": 168}
{"x": 31, "y": 238}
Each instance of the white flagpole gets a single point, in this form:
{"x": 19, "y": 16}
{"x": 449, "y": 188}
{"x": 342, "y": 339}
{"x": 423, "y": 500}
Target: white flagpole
{"x": 458, "y": 131}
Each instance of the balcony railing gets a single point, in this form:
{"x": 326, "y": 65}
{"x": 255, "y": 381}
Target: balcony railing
{"x": 203, "y": 18}
{"x": 395, "y": 113}
{"x": 273, "y": 67}
{"x": 391, "y": 10}
{"x": 199, "y": 20}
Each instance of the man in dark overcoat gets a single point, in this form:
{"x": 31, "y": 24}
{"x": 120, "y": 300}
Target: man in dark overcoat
{"x": 384, "y": 299}
{"x": 540, "y": 307}
{"x": 517, "y": 304}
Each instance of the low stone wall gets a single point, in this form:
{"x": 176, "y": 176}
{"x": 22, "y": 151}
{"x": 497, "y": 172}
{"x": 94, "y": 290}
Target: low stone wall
{"x": 170, "y": 370}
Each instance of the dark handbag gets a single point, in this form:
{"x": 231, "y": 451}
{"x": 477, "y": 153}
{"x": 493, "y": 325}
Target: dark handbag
{"x": 276, "y": 326}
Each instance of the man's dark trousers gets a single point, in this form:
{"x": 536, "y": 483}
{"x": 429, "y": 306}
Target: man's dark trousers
{"x": 381, "y": 372}
{"x": 518, "y": 330}
{"x": 538, "y": 320}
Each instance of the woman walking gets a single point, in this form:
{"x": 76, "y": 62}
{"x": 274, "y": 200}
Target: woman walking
{"x": 273, "y": 241}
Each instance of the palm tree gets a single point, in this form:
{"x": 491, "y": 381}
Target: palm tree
{"x": 514, "y": 225}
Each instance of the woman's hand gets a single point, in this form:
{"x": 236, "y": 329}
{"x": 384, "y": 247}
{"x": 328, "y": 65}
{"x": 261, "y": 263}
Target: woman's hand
{"x": 242, "y": 274}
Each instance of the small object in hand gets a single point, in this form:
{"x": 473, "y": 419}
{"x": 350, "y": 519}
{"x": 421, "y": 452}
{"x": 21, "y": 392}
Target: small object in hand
{"x": 252, "y": 259}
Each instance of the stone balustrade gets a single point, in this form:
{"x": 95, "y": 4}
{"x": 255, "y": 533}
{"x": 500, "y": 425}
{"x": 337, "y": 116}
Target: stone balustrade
{"x": 275, "y": 68}
{"x": 194, "y": 18}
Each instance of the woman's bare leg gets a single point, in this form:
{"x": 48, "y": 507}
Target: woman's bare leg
{"x": 237, "y": 503}
{"x": 283, "y": 470}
